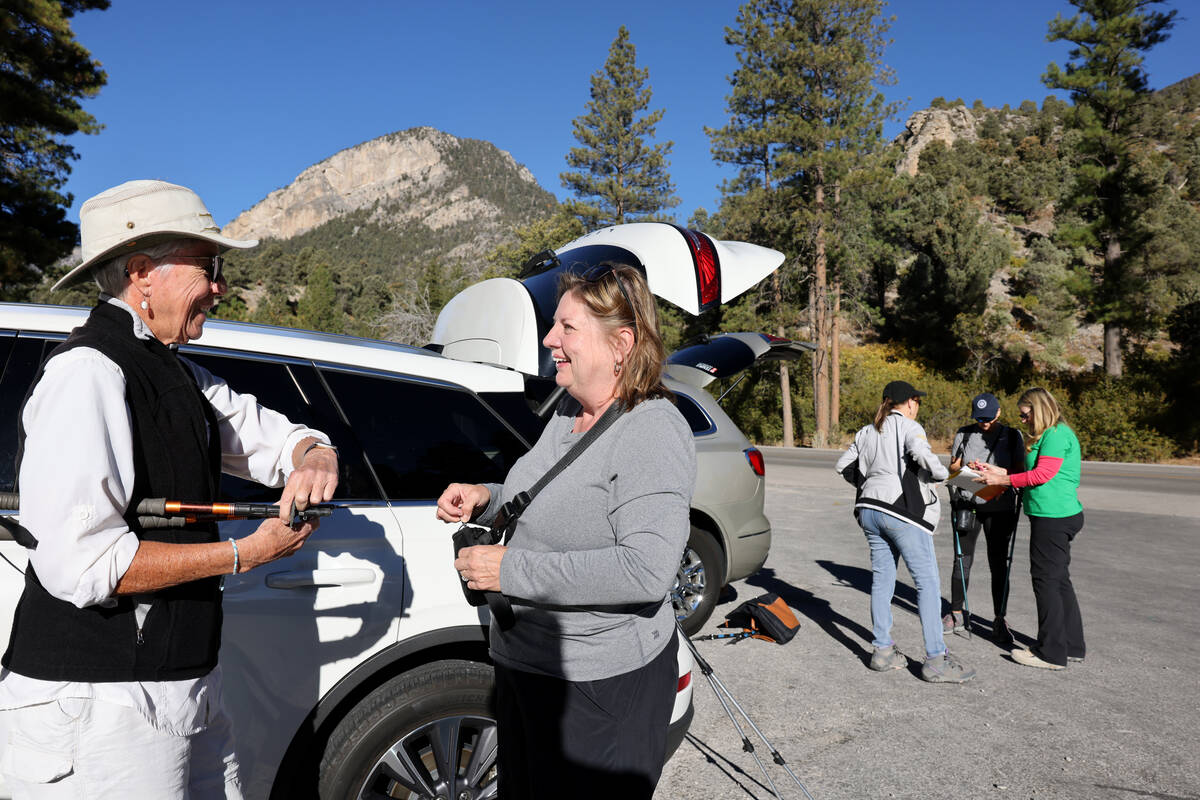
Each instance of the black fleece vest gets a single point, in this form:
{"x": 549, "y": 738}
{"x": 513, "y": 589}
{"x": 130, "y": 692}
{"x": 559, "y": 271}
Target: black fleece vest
{"x": 174, "y": 457}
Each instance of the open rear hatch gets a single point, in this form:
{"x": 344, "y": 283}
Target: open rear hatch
{"x": 503, "y": 320}
{"x": 721, "y": 355}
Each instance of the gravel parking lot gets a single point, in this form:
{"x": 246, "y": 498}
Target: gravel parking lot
{"x": 1123, "y": 724}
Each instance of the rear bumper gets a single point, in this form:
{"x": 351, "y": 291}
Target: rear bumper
{"x": 747, "y": 554}
{"x": 678, "y": 730}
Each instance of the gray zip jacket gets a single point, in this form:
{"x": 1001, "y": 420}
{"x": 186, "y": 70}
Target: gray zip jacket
{"x": 880, "y": 457}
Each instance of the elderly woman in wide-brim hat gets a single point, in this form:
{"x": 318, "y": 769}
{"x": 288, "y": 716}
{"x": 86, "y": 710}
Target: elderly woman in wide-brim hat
{"x": 110, "y": 686}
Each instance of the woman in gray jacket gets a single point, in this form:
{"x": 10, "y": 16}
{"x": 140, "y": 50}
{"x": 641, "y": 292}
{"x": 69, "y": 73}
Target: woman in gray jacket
{"x": 892, "y": 466}
{"x": 586, "y": 677}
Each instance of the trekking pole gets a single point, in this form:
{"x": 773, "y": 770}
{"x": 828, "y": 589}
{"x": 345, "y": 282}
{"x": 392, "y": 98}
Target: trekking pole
{"x": 1012, "y": 547}
{"x": 737, "y": 636}
{"x": 725, "y": 698}
{"x": 962, "y": 576}
{"x": 179, "y": 511}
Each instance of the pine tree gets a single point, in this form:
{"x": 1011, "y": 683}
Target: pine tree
{"x": 804, "y": 112}
{"x": 621, "y": 177}
{"x": 44, "y": 73}
{"x": 318, "y": 308}
{"x": 1108, "y": 84}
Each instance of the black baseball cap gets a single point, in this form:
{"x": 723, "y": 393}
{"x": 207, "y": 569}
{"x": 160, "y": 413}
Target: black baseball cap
{"x": 985, "y": 407}
{"x": 899, "y": 391}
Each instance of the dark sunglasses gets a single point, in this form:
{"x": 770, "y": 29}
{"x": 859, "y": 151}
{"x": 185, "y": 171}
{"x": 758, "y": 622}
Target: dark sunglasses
{"x": 1025, "y": 414}
{"x": 598, "y": 273}
{"x": 212, "y": 265}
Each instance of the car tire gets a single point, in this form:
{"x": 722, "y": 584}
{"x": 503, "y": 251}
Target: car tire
{"x": 428, "y": 733}
{"x": 698, "y": 582}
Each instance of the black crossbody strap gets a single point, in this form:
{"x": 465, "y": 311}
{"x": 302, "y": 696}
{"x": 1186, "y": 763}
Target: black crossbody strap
{"x": 513, "y": 508}
{"x": 592, "y": 434}
{"x": 506, "y": 519}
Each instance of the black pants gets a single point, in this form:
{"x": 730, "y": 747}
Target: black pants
{"x": 1060, "y": 626}
{"x": 585, "y": 739}
{"x": 998, "y": 529}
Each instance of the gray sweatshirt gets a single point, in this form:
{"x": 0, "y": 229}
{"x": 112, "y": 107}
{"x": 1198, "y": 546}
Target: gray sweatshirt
{"x": 593, "y": 558}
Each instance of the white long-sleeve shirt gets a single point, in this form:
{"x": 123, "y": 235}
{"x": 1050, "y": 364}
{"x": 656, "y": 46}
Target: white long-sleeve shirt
{"x": 76, "y": 481}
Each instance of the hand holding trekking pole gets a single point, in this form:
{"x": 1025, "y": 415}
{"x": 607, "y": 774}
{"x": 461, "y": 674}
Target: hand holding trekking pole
{"x": 314, "y": 479}
{"x": 273, "y": 540}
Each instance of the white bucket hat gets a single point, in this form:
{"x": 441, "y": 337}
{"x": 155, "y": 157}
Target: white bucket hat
{"x": 137, "y": 215}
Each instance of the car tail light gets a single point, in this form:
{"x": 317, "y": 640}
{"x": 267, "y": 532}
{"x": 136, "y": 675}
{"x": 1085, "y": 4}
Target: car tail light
{"x": 708, "y": 266}
{"x": 685, "y": 681}
{"x": 756, "y": 461}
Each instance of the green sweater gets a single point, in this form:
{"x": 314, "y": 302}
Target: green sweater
{"x": 1057, "y": 497}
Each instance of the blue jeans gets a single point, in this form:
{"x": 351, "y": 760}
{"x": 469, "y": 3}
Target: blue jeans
{"x": 890, "y": 538}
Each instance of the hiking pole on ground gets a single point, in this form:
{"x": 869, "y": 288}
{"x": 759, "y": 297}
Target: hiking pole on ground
{"x": 1012, "y": 547}
{"x": 736, "y": 637}
{"x": 962, "y": 576}
{"x": 726, "y": 700}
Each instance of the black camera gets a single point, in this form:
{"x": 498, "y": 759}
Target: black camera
{"x": 469, "y": 535}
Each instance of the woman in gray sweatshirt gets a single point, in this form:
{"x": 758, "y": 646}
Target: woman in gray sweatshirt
{"x": 894, "y": 469}
{"x": 586, "y": 677}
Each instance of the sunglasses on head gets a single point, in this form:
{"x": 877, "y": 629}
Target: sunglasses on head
{"x": 598, "y": 273}
{"x": 212, "y": 265}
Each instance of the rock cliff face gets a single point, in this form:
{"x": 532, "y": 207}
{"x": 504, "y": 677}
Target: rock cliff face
{"x": 419, "y": 176}
{"x": 945, "y": 125}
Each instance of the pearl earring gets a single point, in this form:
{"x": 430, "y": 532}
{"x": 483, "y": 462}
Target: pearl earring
{"x": 145, "y": 305}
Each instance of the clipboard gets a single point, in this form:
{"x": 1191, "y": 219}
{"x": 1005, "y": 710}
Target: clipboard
{"x": 964, "y": 480}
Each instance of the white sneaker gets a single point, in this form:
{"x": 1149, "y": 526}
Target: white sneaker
{"x": 1029, "y": 659}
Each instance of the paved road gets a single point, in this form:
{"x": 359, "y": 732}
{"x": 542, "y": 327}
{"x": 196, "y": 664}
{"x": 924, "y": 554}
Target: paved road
{"x": 1122, "y": 725}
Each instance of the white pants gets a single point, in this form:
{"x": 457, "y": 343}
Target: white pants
{"x": 75, "y": 748}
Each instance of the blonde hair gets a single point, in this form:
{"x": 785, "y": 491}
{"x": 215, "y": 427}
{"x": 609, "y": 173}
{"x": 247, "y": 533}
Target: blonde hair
{"x": 620, "y": 298}
{"x": 1044, "y": 413}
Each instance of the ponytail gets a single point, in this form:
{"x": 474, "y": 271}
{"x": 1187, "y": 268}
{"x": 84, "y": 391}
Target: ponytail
{"x": 882, "y": 412}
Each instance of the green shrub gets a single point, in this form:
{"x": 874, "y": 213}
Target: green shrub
{"x": 1114, "y": 419}
{"x": 1110, "y": 417}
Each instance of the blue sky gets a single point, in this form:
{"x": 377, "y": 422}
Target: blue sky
{"x": 235, "y": 98}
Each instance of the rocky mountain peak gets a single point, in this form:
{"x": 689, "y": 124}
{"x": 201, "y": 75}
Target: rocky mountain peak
{"x": 420, "y": 175}
{"x": 946, "y": 125}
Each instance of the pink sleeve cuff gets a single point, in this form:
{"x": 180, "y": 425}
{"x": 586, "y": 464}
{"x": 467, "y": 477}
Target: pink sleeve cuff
{"x": 1045, "y": 469}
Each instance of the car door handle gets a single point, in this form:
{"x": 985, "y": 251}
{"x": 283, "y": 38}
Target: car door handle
{"x": 303, "y": 578}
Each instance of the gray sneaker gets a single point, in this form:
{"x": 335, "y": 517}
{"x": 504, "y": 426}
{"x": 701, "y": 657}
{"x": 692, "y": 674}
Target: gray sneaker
{"x": 945, "y": 669}
{"x": 885, "y": 658}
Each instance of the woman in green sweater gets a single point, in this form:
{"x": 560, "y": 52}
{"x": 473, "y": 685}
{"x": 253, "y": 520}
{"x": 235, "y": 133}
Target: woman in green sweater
{"x": 1049, "y": 483}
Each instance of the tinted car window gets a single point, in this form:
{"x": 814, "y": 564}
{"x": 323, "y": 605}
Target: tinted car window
{"x": 421, "y": 436}
{"x": 699, "y": 422}
{"x": 24, "y": 356}
{"x": 278, "y": 386}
